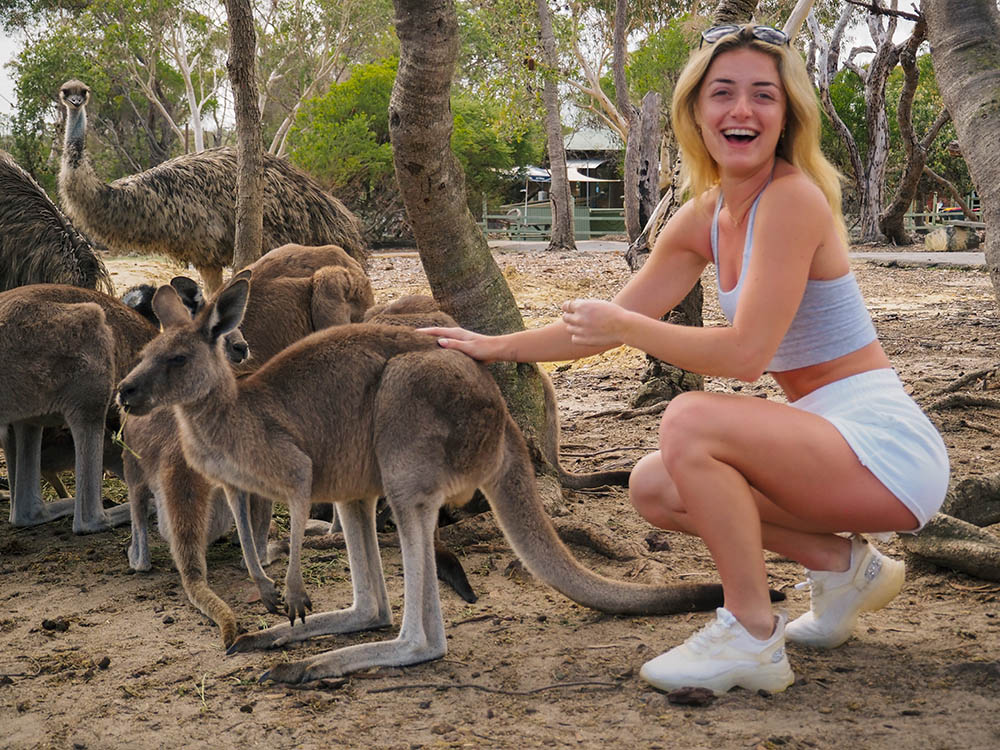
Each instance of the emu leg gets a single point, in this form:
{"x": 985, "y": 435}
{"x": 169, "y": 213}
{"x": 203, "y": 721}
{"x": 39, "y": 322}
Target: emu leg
{"x": 370, "y": 608}
{"x": 53, "y": 479}
{"x": 421, "y": 637}
{"x": 212, "y": 277}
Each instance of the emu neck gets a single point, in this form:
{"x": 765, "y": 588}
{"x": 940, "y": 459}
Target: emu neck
{"x": 75, "y": 141}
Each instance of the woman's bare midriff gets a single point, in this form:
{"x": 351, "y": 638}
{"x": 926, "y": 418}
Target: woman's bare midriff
{"x": 805, "y": 380}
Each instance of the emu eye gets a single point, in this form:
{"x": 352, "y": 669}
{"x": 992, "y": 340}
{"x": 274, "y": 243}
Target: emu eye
{"x": 177, "y": 360}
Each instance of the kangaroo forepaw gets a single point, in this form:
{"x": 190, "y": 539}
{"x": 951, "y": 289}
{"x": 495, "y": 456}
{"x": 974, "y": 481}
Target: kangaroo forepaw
{"x": 270, "y": 597}
{"x": 298, "y": 604}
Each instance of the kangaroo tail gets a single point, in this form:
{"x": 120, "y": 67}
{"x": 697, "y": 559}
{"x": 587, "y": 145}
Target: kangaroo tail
{"x": 519, "y": 511}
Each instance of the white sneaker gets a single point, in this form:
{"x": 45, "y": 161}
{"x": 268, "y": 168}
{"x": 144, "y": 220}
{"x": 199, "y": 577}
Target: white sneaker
{"x": 723, "y": 655}
{"x": 871, "y": 582}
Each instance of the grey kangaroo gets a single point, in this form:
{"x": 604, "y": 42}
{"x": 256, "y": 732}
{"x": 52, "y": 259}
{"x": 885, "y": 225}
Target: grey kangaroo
{"x": 62, "y": 350}
{"x": 296, "y": 290}
{"x": 345, "y": 415}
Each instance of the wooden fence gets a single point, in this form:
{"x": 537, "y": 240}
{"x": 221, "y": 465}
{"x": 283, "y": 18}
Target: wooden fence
{"x": 534, "y": 222}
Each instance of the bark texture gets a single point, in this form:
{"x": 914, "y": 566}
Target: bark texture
{"x": 965, "y": 47}
{"x": 464, "y": 278}
{"x": 250, "y": 148}
{"x": 891, "y": 221}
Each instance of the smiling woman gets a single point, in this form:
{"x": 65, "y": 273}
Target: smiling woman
{"x": 849, "y": 452}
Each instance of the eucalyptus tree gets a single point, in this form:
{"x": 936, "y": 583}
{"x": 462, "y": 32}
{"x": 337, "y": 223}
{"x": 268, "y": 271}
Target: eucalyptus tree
{"x": 461, "y": 271}
{"x": 247, "y": 246}
{"x": 965, "y": 45}
{"x": 560, "y": 199}
{"x": 308, "y": 45}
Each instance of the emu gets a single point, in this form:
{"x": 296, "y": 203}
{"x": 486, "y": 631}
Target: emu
{"x": 38, "y": 244}
{"x": 345, "y": 415}
{"x": 186, "y": 207}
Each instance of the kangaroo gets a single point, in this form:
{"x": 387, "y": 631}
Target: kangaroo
{"x": 296, "y": 289}
{"x": 62, "y": 350}
{"x": 421, "y": 311}
{"x": 346, "y": 415}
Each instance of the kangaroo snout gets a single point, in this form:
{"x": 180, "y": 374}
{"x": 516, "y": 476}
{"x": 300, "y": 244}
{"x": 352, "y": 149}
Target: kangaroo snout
{"x": 131, "y": 399}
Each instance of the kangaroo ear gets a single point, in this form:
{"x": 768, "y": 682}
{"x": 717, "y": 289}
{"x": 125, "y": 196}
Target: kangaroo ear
{"x": 169, "y": 308}
{"x": 246, "y": 273}
{"x": 226, "y": 311}
{"x": 189, "y": 292}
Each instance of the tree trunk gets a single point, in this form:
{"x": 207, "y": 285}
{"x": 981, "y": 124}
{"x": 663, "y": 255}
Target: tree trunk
{"x": 734, "y": 11}
{"x": 462, "y": 274}
{"x": 650, "y": 135}
{"x": 886, "y": 57}
{"x": 249, "y": 149}
{"x": 560, "y": 198}
{"x": 965, "y": 48}
{"x": 633, "y": 142}
{"x": 891, "y": 221}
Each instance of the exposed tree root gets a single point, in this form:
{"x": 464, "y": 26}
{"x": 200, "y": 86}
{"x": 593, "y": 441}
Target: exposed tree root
{"x": 956, "y": 544}
{"x": 958, "y": 400}
{"x": 483, "y": 528}
{"x": 959, "y": 383}
{"x": 975, "y": 500}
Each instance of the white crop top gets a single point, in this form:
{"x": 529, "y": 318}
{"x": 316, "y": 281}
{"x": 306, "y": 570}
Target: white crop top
{"x": 831, "y": 321}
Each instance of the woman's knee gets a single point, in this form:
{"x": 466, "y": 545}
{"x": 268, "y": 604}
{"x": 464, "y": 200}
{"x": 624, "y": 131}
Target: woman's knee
{"x": 687, "y": 426}
{"x": 652, "y": 491}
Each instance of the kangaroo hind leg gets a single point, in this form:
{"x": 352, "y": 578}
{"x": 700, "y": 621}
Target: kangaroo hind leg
{"x": 421, "y": 636}
{"x": 370, "y": 609}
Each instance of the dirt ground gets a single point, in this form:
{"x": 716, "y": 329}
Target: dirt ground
{"x": 96, "y": 657}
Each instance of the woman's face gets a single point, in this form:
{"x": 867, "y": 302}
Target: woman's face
{"x": 741, "y": 109}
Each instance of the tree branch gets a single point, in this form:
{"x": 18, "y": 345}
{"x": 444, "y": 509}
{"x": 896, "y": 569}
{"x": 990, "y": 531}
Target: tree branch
{"x": 877, "y": 9}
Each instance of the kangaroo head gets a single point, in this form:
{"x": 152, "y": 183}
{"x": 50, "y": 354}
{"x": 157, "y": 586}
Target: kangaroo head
{"x": 188, "y": 359}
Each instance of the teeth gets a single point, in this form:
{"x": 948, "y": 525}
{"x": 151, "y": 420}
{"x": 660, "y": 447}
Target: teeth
{"x": 739, "y": 131}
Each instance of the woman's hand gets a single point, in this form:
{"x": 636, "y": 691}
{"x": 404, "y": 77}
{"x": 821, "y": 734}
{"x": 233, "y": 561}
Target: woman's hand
{"x": 592, "y": 322}
{"x": 476, "y": 345}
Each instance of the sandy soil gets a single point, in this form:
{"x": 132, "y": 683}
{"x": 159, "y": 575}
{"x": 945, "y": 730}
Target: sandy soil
{"x": 95, "y": 657}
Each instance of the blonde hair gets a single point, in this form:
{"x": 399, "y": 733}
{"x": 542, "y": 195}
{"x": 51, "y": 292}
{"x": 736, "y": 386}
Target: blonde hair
{"x": 800, "y": 142}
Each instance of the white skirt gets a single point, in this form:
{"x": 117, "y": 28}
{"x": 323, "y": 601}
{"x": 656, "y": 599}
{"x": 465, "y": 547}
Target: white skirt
{"x": 890, "y": 435}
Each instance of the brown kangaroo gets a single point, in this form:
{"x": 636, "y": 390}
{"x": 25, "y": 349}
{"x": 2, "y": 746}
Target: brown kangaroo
{"x": 296, "y": 290}
{"x": 345, "y": 415}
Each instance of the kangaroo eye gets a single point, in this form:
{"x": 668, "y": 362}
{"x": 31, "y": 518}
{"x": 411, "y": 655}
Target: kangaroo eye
{"x": 177, "y": 360}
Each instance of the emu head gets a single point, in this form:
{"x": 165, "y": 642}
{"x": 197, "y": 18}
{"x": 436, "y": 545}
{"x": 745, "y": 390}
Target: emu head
{"x": 187, "y": 361}
{"x": 74, "y": 94}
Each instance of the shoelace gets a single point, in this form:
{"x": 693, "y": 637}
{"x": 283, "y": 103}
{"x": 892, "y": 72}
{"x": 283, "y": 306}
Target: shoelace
{"x": 707, "y": 636}
{"x": 813, "y": 583}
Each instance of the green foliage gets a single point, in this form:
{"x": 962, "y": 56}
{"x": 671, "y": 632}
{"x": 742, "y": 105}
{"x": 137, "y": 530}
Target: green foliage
{"x": 342, "y": 138}
{"x": 657, "y": 63}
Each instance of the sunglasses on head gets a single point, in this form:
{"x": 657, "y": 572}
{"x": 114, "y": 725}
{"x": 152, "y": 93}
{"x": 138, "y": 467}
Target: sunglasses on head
{"x": 767, "y": 34}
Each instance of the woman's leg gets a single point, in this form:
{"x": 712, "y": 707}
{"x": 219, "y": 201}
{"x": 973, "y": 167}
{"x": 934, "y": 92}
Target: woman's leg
{"x": 654, "y": 495}
{"x": 744, "y": 469}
